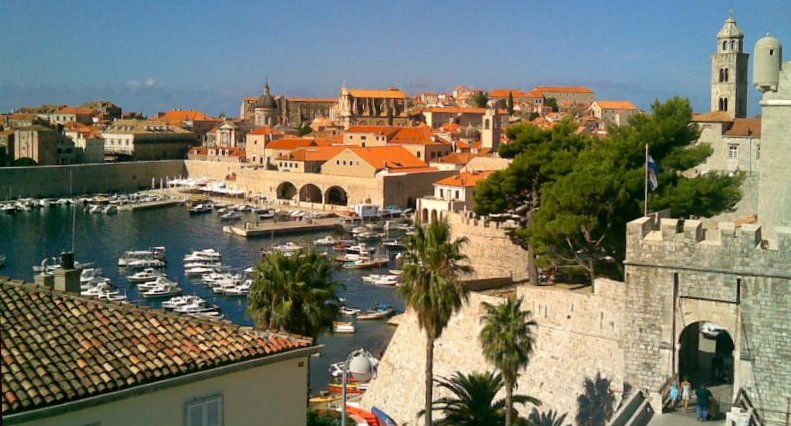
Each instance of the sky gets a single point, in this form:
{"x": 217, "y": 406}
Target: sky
{"x": 153, "y": 56}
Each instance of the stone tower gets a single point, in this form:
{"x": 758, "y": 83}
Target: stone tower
{"x": 490, "y": 130}
{"x": 773, "y": 80}
{"x": 265, "y": 109}
{"x": 729, "y": 71}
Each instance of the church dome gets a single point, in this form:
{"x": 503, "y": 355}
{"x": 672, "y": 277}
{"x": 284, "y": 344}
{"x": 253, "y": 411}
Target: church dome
{"x": 767, "y": 42}
{"x": 730, "y": 29}
{"x": 266, "y": 100}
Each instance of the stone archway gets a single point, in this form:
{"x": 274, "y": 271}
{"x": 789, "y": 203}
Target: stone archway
{"x": 336, "y": 195}
{"x": 433, "y": 216}
{"x": 424, "y": 216}
{"x": 706, "y": 357}
{"x": 310, "y": 193}
{"x": 286, "y": 191}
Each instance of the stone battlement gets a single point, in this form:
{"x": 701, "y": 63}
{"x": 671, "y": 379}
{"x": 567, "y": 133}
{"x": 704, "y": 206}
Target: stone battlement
{"x": 684, "y": 243}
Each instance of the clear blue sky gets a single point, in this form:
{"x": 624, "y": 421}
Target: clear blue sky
{"x": 149, "y": 56}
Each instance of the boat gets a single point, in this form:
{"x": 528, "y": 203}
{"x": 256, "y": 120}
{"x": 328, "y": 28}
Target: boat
{"x": 231, "y": 215}
{"x": 265, "y": 214}
{"x": 101, "y": 288}
{"x": 200, "y": 209}
{"x": 203, "y": 263}
{"x": 166, "y": 290}
{"x": 362, "y": 248}
{"x": 110, "y": 209}
{"x": 199, "y": 270}
{"x": 210, "y": 315}
{"x": 396, "y": 271}
{"x": 394, "y": 244}
{"x": 343, "y": 327}
{"x": 203, "y": 254}
{"x": 289, "y": 247}
{"x": 348, "y": 310}
{"x": 379, "y": 311}
{"x": 145, "y": 263}
{"x": 95, "y": 208}
{"x": 369, "y": 235}
{"x": 177, "y": 301}
{"x": 146, "y": 275}
{"x": 381, "y": 279}
{"x": 157, "y": 253}
{"x": 89, "y": 274}
{"x": 364, "y": 263}
{"x": 351, "y": 388}
{"x": 196, "y": 307}
{"x": 242, "y": 289}
{"x": 159, "y": 281}
{"x": 324, "y": 399}
{"x": 112, "y": 297}
{"x": 326, "y": 241}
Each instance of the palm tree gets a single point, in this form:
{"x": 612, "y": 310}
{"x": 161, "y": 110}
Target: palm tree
{"x": 507, "y": 340}
{"x": 432, "y": 265}
{"x": 294, "y": 293}
{"x": 547, "y": 418}
{"x": 472, "y": 402}
{"x": 596, "y": 404}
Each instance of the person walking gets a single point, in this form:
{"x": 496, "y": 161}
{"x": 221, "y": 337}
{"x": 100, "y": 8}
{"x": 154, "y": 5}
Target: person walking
{"x": 703, "y": 397}
{"x": 674, "y": 394}
{"x": 686, "y": 393}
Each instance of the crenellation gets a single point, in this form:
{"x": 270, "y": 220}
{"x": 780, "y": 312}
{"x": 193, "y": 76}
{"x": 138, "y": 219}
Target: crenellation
{"x": 668, "y": 228}
{"x": 693, "y": 230}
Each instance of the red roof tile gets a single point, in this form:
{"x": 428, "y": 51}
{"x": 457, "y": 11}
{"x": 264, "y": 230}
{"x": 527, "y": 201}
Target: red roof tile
{"x": 466, "y": 179}
{"x": 743, "y": 127}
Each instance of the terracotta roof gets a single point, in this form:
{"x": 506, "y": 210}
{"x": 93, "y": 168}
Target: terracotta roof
{"x": 314, "y": 100}
{"x": 466, "y": 179}
{"x": 199, "y": 150}
{"x": 234, "y": 151}
{"x": 176, "y": 117}
{"x": 419, "y": 135}
{"x": 712, "y": 117}
{"x": 58, "y": 348}
{"x": 391, "y": 93}
{"x": 460, "y": 158}
{"x": 314, "y": 153}
{"x": 456, "y": 110}
{"x": 392, "y": 157}
{"x": 503, "y": 93}
{"x": 563, "y": 89}
{"x": 264, "y": 131}
{"x": 616, "y": 105}
{"x": 294, "y": 143}
{"x": 451, "y": 127}
{"x": 743, "y": 127}
{"x": 388, "y": 131}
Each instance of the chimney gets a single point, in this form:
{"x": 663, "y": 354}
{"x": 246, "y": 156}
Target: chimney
{"x": 67, "y": 279}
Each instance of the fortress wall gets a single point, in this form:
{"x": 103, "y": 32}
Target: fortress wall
{"x": 730, "y": 276}
{"x": 53, "y": 181}
{"x": 578, "y": 335}
{"x": 490, "y": 250}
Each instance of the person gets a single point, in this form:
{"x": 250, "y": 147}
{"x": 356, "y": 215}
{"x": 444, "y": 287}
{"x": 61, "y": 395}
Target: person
{"x": 674, "y": 394}
{"x": 686, "y": 392}
{"x": 703, "y": 397}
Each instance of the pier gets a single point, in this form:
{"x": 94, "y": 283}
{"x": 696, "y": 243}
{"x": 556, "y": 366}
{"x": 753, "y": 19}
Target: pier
{"x": 251, "y": 230}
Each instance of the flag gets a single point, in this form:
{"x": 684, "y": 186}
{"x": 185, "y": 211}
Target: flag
{"x": 653, "y": 169}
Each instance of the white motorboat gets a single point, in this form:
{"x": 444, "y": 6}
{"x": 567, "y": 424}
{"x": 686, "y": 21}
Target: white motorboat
{"x": 177, "y": 301}
{"x": 265, "y": 214}
{"x": 101, "y": 288}
{"x": 396, "y": 271}
{"x": 348, "y": 310}
{"x": 288, "y": 247}
{"x": 95, "y": 208}
{"x": 89, "y": 274}
{"x": 145, "y": 263}
{"x": 394, "y": 244}
{"x": 242, "y": 289}
{"x": 110, "y": 209}
{"x": 199, "y": 270}
{"x": 343, "y": 327}
{"x": 369, "y": 235}
{"x": 9, "y": 208}
{"x": 200, "y": 209}
{"x": 362, "y": 249}
{"x": 359, "y": 229}
{"x": 326, "y": 241}
{"x": 221, "y": 286}
{"x": 146, "y": 275}
{"x": 45, "y": 202}
{"x": 111, "y": 297}
{"x": 157, "y": 253}
{"x": 210, "y": 254}
{"x": 231, "y": 215}
{"x": 159, "y": 281}
{"x": 162, "y": 291}
{"x": 204, "y": 263}
{"x": 381, "y": 279}
{"x": 196, "y": 307}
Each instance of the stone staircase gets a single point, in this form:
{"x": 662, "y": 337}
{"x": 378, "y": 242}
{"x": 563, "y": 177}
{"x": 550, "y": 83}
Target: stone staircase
{"x": 635, "y": 411}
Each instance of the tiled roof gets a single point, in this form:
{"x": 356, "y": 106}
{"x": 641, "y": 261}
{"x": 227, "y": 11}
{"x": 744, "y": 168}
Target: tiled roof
{"x": 177, "y": 117}
{"x": 745, "y": 127}
{"x": 391, "y": 93}
{"x": 456, "y": 110}
{"x": 392, "y": 157}
{"x": 388, "y": 131}
{"x": 314, "y": 153}
{"x": 76, "y": 111}
{"x": 419, "y": 135}
{"x": 503, "y": 93}
{"x": 451, "y": 127}
{"x": 712, "y": 117}
{"x": 135, "y": 126}
{"x": 294, "y": 143}
{"x": 314, "y": 100}
{"x": 58, "y": 348}
{"x": 466, "y": 179}
{"x": 616, "y": 105}
{"x": 460, "y": 158}
{"x": 264, "y": 131}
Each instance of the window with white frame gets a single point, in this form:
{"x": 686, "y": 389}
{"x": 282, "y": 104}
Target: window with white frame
{"x": 204, "y": 411}
{"x": 733, "y": 151}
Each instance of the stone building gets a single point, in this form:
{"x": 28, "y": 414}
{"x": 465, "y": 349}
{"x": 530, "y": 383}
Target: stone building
{"x": 295, "y": 112}
{"x": 451, "y": 194}
{"x": 107, "y": 109}
{"x": 44, "y": 145}
{"x": 372, "y": 107}
{"x": 147, "y": 140}
{"x": 735, "y": 142}
{"x": 88, "y": 141}
{"x": 613, "y": 112}
{"x": 196, "y": 122}
{"x": 568, "y": 94}
{"x": 729, "y": 71}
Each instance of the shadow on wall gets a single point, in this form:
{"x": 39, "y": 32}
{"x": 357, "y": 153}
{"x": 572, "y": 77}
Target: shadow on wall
{"x": 597, "y": 402}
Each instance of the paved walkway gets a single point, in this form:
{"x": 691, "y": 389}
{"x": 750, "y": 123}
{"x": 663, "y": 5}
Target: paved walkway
{"x": 680, "y": 419}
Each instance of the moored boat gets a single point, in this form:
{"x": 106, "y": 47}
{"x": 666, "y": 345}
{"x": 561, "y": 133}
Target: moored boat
{"x": 343, "y": 327}
{"x": 379, "y": 311}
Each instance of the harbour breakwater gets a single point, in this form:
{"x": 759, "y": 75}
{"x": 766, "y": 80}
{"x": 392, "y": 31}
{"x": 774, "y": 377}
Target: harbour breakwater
{"x": 57, "y": 181}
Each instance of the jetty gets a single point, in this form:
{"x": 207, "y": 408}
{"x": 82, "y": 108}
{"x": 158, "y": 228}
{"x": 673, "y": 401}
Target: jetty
{"x": 151, "y": 205}
{"x": 251, "y": 230}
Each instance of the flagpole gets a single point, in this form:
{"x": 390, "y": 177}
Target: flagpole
{"x": 645, "y": 182}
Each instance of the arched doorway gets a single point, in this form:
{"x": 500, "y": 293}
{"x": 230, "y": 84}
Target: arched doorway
{"x": 424, "y": 216}
{"x": 433, "y": 216}
{"x": 286, "y": 191}
{"x": 705, "y": 357}
{"x": 310, "y": 193}
{"x": 336, "y": 196}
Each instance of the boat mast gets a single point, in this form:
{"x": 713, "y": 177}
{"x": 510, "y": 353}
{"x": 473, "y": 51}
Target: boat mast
{"x": 73, "y": 211}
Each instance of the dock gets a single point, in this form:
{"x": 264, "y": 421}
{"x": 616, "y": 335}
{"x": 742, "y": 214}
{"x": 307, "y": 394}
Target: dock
{"x": 251, "y": 230}
{"x": 151, "y": 205}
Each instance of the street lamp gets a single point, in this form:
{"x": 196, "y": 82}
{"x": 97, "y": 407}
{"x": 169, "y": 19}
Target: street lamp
{"x": 362, "y": 365}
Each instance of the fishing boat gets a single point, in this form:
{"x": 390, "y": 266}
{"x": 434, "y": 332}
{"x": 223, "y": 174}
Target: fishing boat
{"x": 326, "y": 241}
{"x": 365, "y": 263}
{"x": 343, "y": 327}
{"x": 162, "y": 291}
{"x": 379, "y": 311}
{"x": 146, "y": 275}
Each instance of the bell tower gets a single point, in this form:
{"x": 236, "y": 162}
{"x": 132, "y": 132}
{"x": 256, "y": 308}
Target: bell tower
{"x": 729, "y": 71}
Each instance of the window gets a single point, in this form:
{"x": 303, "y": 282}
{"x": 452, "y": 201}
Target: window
{"x": 457, "y": 195}
{"x": 723, "y": 104}
{"x": 733, "y": 151}
{"x": 204, "y": 411}
{"x": 441, "y": 193}
{"x": 362, "y": 138}
{"x": 724, "y": 46}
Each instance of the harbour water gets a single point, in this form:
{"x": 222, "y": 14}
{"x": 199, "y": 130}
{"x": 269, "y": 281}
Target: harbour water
{"x": 28, "y": 237}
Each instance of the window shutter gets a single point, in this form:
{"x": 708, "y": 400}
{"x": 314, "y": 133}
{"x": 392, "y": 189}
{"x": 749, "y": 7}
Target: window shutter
{"x": 205, "y": 412}
{"x": 213, "y": 412}
{"x": 195, "y": 415}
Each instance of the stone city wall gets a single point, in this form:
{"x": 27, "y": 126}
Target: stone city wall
{"x": 679, "y": 274}
{"x": 490, "y": 249}
{"x": 578, "y": 336}
{"x": 54, "y": 181}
